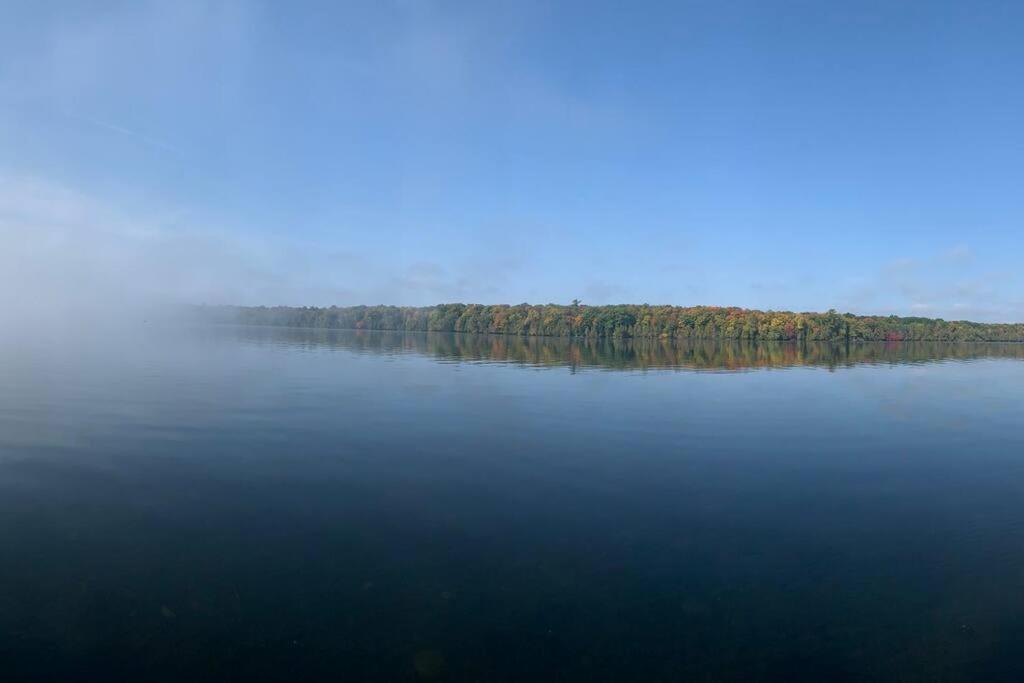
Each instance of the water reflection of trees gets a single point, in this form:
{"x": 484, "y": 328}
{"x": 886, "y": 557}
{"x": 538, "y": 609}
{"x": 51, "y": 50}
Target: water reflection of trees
{"x": 628, "y": 354}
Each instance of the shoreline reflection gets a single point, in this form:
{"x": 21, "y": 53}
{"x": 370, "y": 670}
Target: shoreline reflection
{"x": 626, "y": 354}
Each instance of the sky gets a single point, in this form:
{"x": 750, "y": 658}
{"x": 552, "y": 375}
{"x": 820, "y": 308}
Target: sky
{"x": 862, "y": 156}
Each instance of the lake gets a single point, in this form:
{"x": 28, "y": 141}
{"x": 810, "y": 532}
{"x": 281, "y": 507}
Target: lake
{"x": 280, "y": 504}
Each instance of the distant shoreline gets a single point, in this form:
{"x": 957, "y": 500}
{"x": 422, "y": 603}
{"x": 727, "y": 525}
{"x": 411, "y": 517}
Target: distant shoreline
{"x": 638, "y": 321}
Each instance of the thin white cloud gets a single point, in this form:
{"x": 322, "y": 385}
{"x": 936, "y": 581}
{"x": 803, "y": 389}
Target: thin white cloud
{"x": 961, "y": 254}
{"x": 143, "y": 138}
{"x": 945, "y": 284}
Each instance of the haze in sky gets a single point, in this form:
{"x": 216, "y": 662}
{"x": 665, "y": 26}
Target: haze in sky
{"x": 863, "y": 156}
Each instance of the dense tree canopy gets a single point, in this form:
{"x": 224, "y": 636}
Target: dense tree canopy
{"x": 630, "y": 320}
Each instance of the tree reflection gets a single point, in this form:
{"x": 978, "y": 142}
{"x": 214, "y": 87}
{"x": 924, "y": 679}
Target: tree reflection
{"x": 628, "y": 354}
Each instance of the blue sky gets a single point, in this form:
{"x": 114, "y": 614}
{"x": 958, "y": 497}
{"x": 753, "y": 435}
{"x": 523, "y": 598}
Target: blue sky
{"x": 864, "y": 156}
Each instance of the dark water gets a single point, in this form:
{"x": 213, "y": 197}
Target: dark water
{"x": 260, "y": 504}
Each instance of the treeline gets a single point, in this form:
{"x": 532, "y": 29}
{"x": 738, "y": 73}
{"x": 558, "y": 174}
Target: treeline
{"x": 623, "y": 321}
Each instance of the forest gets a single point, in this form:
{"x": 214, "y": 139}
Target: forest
{"x": 621, "y": 321}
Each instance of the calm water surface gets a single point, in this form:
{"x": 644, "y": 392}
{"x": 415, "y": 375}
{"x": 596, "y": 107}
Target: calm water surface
{"x": 270, "y": 504}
